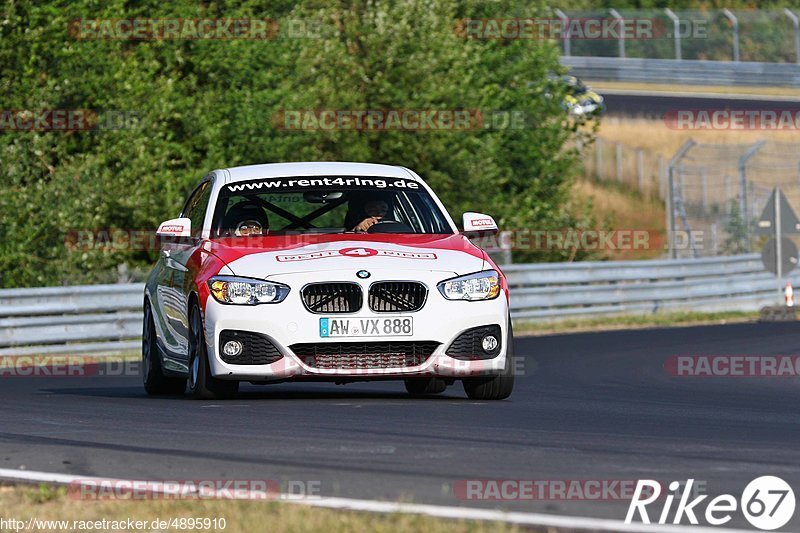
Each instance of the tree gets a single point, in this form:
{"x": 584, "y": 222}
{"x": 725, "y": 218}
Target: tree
{"x": 194, "y": 105}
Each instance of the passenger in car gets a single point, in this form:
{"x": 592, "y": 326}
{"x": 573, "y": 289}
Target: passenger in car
{"x": 365, "y": 212}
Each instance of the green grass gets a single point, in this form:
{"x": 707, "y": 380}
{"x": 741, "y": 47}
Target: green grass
{"x": 53, "y": 503}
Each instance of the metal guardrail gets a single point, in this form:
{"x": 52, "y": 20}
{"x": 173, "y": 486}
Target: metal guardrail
{"x": 690, "y": 72}
{"x": 90, "y": 318}
{"x": 559, "y": 290}
{"x": 104, "y": 318}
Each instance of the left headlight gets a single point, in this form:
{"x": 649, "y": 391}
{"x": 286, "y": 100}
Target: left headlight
{"x": 483, "y": 285}
{"x": 246, "y": 291}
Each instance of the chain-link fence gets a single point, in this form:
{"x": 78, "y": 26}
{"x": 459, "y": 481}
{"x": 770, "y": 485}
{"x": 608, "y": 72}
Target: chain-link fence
{"x": 716, "y": 192}
{"x": 766, "y": 35}
{"x": 634, "y": 167}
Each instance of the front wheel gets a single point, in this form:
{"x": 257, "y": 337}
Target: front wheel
{"x": 156, "y": 383}
{"x": 497, "y": 387}
{"x": 202, "y": 385}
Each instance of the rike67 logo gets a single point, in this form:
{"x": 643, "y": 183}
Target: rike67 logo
{"x": 767, "y": 503}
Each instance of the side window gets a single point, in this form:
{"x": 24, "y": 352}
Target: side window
{"x": 195, "y": 209}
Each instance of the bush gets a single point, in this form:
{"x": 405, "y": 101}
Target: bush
{"x": 193, "y": 105}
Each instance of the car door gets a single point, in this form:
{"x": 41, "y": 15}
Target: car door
{"x": 177, "y": 258}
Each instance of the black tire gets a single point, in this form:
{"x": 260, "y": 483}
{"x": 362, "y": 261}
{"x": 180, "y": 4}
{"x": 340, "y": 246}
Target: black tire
{"x": 156, "y": 383}
{"x": 494, "y": 387}
{"x": 423, "y": 386}
{"x": 202, "y": 385}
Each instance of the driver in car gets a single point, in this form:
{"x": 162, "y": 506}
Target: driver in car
{"x": 372, "y": 211}
{"x": 246, "y": 219}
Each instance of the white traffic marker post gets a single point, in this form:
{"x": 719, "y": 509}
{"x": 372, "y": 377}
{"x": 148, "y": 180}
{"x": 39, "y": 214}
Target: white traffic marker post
{"x": 778, "y": 247}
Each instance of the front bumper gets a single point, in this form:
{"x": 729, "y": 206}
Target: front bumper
{"x": 289, "y": 323}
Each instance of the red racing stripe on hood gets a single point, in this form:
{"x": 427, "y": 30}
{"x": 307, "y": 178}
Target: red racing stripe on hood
{"x": 231, "y": 249}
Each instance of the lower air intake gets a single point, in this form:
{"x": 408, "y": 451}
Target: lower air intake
{"x": 364, "y": 355}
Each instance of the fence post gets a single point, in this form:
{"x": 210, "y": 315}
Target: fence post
{"x": 618, "y": 156}
{"x": 743, "y": 207}
{"x": 670, "y": 195}
{"x": 714, "y": 243}
{"x": 676, "y": 29}
{"x": 585, "y": 159}
{"x": 598, "y": 158}
{"x": 682, "y": 187}
{"x": 704, "y": 186}
{"x": 735, "y": 23}
{"x": 670, "y": 201}
{"x": 796, "y": 24}
{"x": 565, "y": 34}
{"x": 640, "y": 168}
{"x": 728, "y": 195}
{"x": 621, "y": 39}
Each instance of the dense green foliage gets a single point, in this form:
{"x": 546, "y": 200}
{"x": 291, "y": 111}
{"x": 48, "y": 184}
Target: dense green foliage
{"x": 203, "y": 104}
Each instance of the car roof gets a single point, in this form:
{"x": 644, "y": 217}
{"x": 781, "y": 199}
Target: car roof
{"x": 275, "y": 170}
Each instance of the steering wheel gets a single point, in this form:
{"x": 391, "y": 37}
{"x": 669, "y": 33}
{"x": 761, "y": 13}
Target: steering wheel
{"x": 390, "y": 226}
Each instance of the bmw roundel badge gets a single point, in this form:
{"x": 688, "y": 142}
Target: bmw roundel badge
{"x": 363, "y": 274}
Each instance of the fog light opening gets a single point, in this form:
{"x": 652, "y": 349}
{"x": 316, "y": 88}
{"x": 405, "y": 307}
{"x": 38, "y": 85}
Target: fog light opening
{"x": 489, "y": 343}
{"x": 232, "y": 348}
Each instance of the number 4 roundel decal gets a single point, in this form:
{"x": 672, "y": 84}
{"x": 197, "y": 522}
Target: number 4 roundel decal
{"x": 358, "y": 252}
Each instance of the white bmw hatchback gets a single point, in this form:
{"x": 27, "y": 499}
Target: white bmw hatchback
{"x": 324, "y": 272}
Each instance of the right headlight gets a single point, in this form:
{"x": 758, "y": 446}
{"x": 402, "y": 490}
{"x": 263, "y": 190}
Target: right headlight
{"x": 483, "y": 285}
{"x": 246, "y": 291}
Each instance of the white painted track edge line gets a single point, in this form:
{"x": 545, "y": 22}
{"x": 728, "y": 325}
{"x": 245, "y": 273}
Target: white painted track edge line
{"x": 437, "y": 511}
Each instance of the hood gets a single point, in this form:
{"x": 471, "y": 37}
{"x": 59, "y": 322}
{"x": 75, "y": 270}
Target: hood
{"x": 262, "y": 257}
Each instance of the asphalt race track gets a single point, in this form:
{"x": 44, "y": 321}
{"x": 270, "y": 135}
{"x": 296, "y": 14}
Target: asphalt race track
{"x": 594, "y": 406}
{"x": 655, "y": 105}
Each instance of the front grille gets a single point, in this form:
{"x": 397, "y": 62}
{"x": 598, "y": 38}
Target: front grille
{"x": 256, "y": 348}
{"x": 364, "y": 355}
{"x": 332, "y": 297}
{"x": 467, "y": 346}
{"x": 396, "y": 296}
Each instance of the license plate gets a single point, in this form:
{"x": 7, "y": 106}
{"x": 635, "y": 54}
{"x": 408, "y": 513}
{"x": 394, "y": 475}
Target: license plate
{"x": 366, "y": 327}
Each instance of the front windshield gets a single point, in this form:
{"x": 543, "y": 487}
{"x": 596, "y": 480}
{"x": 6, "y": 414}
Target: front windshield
{"x": 327, "y": 204}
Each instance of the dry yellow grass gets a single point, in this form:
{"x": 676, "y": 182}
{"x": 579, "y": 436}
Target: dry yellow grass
{"x": 670, "y": 88}
{"x": 656, "y": 137}
{"x": 615, "y": 207}
{"x": 45, "y": 503}
{"x": 610, "y": 323}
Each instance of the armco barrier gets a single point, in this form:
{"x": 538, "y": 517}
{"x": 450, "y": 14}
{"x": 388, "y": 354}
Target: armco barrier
{"x": 87, "y": 319}
{"x": 688, "y": 72}
{"x": 566, "y": 290}
{"x": 103, "y": 318}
